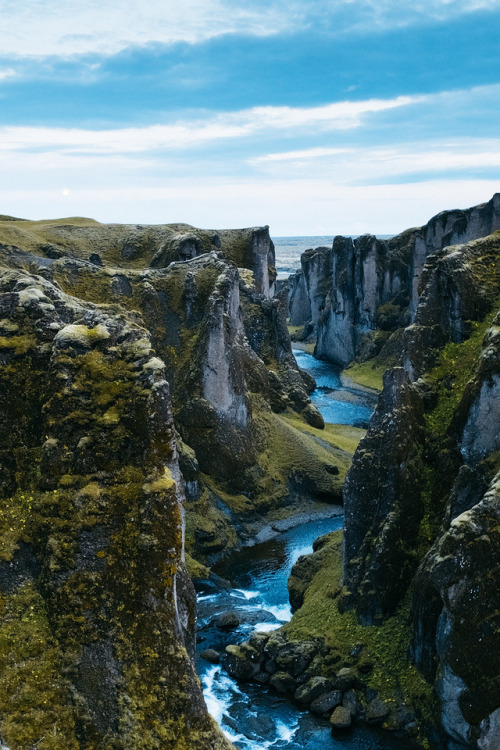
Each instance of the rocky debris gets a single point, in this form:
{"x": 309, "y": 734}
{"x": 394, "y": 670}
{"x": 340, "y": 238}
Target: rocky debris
{"x": 307, "y": 671}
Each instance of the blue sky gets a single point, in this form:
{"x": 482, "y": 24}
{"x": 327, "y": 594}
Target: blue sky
{"x": 324, "y": 117}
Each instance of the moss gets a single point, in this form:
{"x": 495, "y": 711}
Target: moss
{"x": 34, "y": 701}
{"x": 344, "y": 437}
{"x": 19, "y": 344}
{"x": 456, "y": 366}
{"x": 387, "y": 645}
{"x": 161, "y": 484}
{"x": 298, "y": 452}
{"x": 195, "y": 568}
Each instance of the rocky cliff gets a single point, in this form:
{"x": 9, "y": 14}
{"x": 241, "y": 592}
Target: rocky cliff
{"x": 97, "y": 609}
{"x": 421, "y": 499}
{"x": 359, "y": 291}
{"x": 149, "y": 402}
{"x": 226, "y": 349}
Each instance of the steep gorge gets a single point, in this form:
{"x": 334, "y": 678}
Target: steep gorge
{"x": 419, "y": 580}
{"x": 147, "y": 392}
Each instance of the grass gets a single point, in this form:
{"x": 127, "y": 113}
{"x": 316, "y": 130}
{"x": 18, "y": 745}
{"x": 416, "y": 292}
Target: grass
{"x": 341, "y": 436}
{"x": 367, "y": 374}
{"x": 455, "y": 368}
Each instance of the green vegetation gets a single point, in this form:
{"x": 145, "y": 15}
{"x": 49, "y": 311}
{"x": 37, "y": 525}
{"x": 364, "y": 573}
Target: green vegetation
{"x": 386, "y": 645}
{"x": 341, "y": 436}
{"x": 34, "y": 702}
{"x": 369, "y": 374}
{"x": 456, "y": 366}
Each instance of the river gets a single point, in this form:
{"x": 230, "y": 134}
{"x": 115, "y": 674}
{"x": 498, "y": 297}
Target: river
{"x": 254, "y": 717}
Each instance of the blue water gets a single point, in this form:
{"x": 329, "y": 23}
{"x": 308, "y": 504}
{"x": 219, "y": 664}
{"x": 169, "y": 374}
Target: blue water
{"x": 336, "y": 403}
{"x": 253, "y": 716}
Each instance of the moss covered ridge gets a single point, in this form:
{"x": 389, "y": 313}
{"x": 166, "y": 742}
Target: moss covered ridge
{"x": 223, "y": 341}
{"x": 97, "y": 618}
{"x": 421, "y": 498}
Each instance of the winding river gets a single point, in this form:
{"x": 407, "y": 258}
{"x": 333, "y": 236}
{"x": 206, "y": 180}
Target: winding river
{"x": 254, "y": 717}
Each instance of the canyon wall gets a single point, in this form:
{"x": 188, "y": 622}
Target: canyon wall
{"x": 363, "y": 287}
{"x": 151, "y": 412}
{"x": 97, "y": 609}
{"x": 422, "y": 499}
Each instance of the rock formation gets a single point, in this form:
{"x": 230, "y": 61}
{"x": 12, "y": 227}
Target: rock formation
{"x": 97, "y": 609}
{"x": 147, "y": 390}
{"x": 422, "y": 498}
{"x": 357, "y": 292}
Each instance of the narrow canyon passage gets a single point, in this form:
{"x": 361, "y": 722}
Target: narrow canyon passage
{"x": 253, "y": 716}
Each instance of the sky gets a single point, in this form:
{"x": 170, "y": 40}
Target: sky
{"x": 313, "y": 116}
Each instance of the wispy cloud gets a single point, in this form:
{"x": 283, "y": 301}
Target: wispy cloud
{"x": 379, "y": 165}
{"x": 35, "y": 28}
{"x": 7, "y": 73}
{"x": 188, "y": 134}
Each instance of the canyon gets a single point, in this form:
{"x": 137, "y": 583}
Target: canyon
{"x": 153, "y": 418}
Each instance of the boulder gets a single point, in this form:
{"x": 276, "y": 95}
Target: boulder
{"x": 341, "y": 718}
{"x": 376, "y": 712}
{"x": 227, "y": 620}
{"x": 295, "y": 657}
{"x": 312, "y": 689}
{"x": 241, "y": 662}
{"x": 211, "y": 655}
{"x": 283, "y": 682}
{"x": 326, "y": 703}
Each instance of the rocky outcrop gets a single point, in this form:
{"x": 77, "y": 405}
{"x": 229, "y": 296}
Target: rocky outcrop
{"x": 107, "y": 335}
{"x": 363, "y": 286}
{"x": 97, "y": 610}
{"x": 227, "y": 355}
{"x": 421, "y": 498}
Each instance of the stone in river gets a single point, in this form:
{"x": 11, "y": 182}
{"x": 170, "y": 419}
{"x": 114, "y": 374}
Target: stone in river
{"x": 227, "y": 621}
{"x": 326, "y": 702}
{"x": 211, "y": 655}
{"x": 341, "y": 718}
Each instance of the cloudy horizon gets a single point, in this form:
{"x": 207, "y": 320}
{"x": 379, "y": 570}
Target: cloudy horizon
{"x": 344, "y": 117}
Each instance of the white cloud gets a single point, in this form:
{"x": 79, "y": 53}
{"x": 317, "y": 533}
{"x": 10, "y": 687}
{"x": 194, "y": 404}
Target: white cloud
{"x": 372, "y": 164}
{"x": 47, "y": 27}
{"x": 7, "y": 73}
{"x": 188, "y": 134}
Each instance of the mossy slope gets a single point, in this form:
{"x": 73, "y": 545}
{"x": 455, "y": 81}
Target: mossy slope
{"x": 97, "y": 617}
